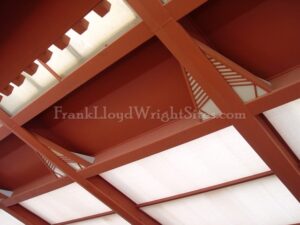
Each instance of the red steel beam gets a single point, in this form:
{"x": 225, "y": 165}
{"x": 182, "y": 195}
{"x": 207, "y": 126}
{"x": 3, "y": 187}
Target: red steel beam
{"x": 208, "y": 189}
{"x": 22, "y": 214}
{"x": 95, "y": 185}
{"x": 86, "y": 218}
{"x": 276, "y": 98}
{"x": 121, "y": 47}
{"x": 184, "y": 48}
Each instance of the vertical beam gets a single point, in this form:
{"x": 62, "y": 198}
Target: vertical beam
{"x": 184, "y": 48}
{"x": 101, "y": 190}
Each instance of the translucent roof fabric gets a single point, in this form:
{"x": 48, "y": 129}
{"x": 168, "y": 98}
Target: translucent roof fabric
{"x": 105, "y": 220}
{"x": 102, "y": 31}
{"x": 261, "y": 202}
{"x": 6, "y": 219}
{"x": 213, "y": 159}
{"x": 32, "y": 88}
{"x": 286, "y": 120}
{"x": 64, "y": 204}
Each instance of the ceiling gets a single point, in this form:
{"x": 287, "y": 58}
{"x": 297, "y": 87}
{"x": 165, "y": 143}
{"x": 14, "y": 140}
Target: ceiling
{"x": 233, "y": 59}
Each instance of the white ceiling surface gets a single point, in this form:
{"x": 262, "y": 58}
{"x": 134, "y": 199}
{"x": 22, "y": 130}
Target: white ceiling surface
{"x": 286, "y": 120}
{"x": 213, "y": 159}
{"x": 264, "y": 201}
{"x": 6, "y": 219}
{"x": 64, "y": 204}
{"x": 105, "y": 220}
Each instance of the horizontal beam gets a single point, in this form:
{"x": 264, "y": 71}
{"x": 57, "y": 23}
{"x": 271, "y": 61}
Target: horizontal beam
{"x": 278, "y": 97}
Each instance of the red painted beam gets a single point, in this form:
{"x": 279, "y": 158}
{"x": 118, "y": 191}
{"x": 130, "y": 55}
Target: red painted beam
{"x": 22, "y": 214}
{"x": 184, "y": 48}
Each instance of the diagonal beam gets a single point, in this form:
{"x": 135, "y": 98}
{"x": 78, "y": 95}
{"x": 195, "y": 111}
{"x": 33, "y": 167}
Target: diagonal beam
{"x": 183, "y": 47}
{"x": 97, "y": 187}
{"x": 22, "y": 214}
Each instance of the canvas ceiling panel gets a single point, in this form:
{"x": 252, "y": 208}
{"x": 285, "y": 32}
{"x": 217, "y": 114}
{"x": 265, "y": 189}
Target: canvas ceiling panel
{"x": 286, "y": 120}
{"x": 6, "y": 219}
{"x": 213, "y": 159}
{"x": 261, "y": 202}
{"x": 64, "y": 204}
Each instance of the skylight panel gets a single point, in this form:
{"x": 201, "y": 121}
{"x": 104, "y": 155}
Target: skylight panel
{"x": 6, "y": 219}
{"x": 286, "y": 120}
{"x": 31, "y": 89}
{"x": 105, "y": 220}
{"x": 262, "y": 202}
{"x": 213, "y": 159}
{"x": 64, "y": 204}
{"x": 101, "y": 32}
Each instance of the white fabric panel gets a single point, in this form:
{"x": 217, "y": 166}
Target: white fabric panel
{"x": 286, "y": 120}
{"x": 6, "y": 219}
{"x": 264, "y": 201}
{"x": 213, "y": 159}
{"x": 106, "y": 220}
{"x": 64, "y": 204}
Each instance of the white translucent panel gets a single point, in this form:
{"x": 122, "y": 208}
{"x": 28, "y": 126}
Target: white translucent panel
{"x": 286, "y": 120}
{"x": 101, "y": 32}
{"x": 67, "y": 203}
{"x": 211, "y": 109}
{"x": 7, "y": 193}
{"x": 165, "y": 1}
{"x": 213, "y": 159}
{"x": 87, "y": 158}
{"x": 246, "y": 93}
{"x": 105, "y": 220}
{"x": 31, "y": 89}
{"x": 261, "y": 202}
{"x": 6, "y": 219}
{"x": 260, "y": 91}
{"x": 64, "y": 61}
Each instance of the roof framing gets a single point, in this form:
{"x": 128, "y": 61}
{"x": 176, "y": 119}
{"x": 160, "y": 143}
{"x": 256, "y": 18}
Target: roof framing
{"x": 97, "y": 186}
{"x": 162, "y": 22}
{"x": 275, "y": 153}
